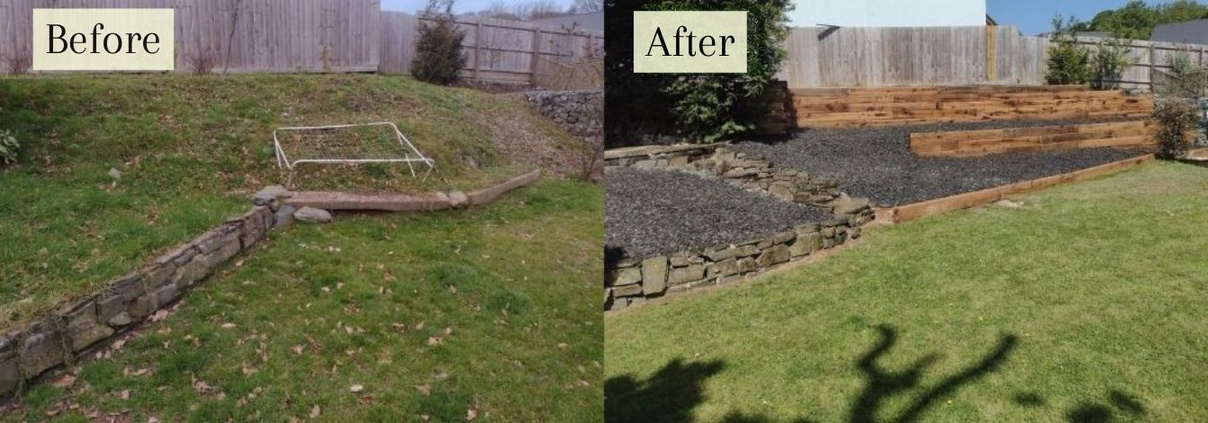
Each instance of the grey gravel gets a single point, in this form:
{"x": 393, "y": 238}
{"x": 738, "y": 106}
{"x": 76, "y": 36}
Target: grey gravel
{"x": 877, "y": 162}
{"x": 654, "y": 212}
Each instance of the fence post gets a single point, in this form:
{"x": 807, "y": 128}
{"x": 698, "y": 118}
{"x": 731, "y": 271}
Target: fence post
{"x": 477, "y": 48}
{"x": 1152, "y": 67}
{"x": 991, "y": 54}
{"x": 536, "y": 54}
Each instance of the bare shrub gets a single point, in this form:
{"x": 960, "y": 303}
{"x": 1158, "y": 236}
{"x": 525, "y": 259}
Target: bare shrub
{"x": 590, "y": 159}
{"x": 18, "y": 62}
{"x": 581, "y": 67}
{"x": 204, "y": 62}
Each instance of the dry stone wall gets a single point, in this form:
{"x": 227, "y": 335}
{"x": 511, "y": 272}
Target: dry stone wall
{"x": 632, "y": 281}
{"x": 63, "y": 336}
{"x": 580, "y": 113}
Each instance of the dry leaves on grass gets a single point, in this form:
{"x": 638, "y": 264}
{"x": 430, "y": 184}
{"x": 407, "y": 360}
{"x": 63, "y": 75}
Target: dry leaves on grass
{"x": 64, "y": 381}
{"x": 136, "y": 373}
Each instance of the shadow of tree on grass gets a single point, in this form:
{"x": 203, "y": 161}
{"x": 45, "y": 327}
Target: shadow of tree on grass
{"x": 669, "y": 395}
{"x": 674, "y": 391}
{"x": 881, "y": 384}
{"x": 1122, "y": 405}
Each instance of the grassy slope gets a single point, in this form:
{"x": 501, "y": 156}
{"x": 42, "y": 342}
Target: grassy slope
{"x": 190, "y": 149}
{"x": 511, "y": 282}
{"x": 1086, "y": 304}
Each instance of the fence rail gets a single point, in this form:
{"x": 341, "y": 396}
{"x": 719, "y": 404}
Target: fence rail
{"x": 881, "y": 57}
{"x": 320, "y": 36}
{"x": 496, "y": 50}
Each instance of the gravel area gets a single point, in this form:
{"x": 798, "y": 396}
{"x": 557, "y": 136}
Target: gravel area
{"x": 652, "y": 212}
{"x": 876, "y": 163}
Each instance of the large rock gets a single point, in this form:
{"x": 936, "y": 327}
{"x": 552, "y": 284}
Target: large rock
{"x": 10, "y": 373}
{"x": 685, "y": 275}
{"x": 845, "y": 205}
{"x": 722, "y": 268}
{"x": 118, "y": 296}
{"x": 284, "y": 216}
{"x": 773, "y": 256}
{"x": 270, "y": 195}
{"x": 627, "y": 276}
{"x": 83, "y": 329}
{"x": 312, "y": 215}
{"x": 654, "y": 275}
{"x": 725, "y": 253}
{"x": 41, "y": 348}
{"x": 459, "y": 199}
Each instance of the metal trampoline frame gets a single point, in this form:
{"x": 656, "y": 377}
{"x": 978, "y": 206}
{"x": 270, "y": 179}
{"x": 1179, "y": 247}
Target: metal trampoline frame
{"x": 408, "y": 149}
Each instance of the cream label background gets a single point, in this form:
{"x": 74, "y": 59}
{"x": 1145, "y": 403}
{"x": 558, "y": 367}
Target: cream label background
{"x": 116, "y": 21}
{"x": 700, "y": 24}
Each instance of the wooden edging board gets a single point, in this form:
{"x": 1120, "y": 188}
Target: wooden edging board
{"x": 653, "y": 150}
{"x": 972, "y": 199}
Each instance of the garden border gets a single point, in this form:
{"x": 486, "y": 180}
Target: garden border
{"x": 922, "y": 209}
{"x": 633, "y": 281}
{"x": 86, "y": 324}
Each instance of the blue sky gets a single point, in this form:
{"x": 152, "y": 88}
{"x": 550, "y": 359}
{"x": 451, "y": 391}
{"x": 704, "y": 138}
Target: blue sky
{"x": 1034, "y": 16}
{"x": 459, "y": 6}
{"x": 1031, "y": 16}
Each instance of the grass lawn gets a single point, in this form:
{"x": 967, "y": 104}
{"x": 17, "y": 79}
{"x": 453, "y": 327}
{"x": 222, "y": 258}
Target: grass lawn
{"x": 489, "y": 312}
{"x": 1087, "y": 303}
{"x": 190, "y": 149}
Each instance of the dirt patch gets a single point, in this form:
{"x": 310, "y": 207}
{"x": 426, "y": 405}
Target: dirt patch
{"x": 530, "y": 140}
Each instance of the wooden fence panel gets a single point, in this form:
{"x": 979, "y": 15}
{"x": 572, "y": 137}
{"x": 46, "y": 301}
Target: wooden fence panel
{"x": 495, "y": 50}
{"x": 946, "y": 56}
{"x": 322, "y": 36}
{"x": 399, "y": 31}
{"x": 240, "y": 35}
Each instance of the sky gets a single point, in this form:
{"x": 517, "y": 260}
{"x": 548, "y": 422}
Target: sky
{"x": 1031, "y": 16}
{"x": 1035, "y": 16}
{"x": 459, "y": 6}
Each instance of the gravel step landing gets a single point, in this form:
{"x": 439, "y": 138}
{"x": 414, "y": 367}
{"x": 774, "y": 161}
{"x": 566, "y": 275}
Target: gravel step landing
{"x": 877, "y": 162}
{"x": 653, "y": 212}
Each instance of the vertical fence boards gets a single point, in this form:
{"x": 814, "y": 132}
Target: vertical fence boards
{"x": 495, "y": 50}
{"x": 320, "y": 36}
{"x": 920, "y": 56}
{"x": 269, "y": 35}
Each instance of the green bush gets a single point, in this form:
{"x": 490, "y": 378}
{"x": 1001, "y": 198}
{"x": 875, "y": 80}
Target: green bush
{"x": 1176, "y": 120}
{"x": 1108, "y": 63}
{"x": 700, "y": 107}
{"x": 438, "y": 50}
{"x": 8, "y": 148}
{"x": 1069, "y": 63}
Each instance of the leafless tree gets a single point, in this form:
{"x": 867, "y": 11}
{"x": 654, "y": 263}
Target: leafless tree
{"x": 525, "y": 11}
{"x": 588, "y": 6}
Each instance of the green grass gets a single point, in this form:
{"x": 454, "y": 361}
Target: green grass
{"x": 1086, "y": 304}
{"x": 191, "y": 149}
{"x": 492, "y": 309}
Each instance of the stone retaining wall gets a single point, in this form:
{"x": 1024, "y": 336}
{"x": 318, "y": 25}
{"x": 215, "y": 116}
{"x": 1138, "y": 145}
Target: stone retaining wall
{"x": 68, "y": 333}
{"x": 632, "y": 281}
{"x": 581, "y": 113}
{"x": 124, "y": 302}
